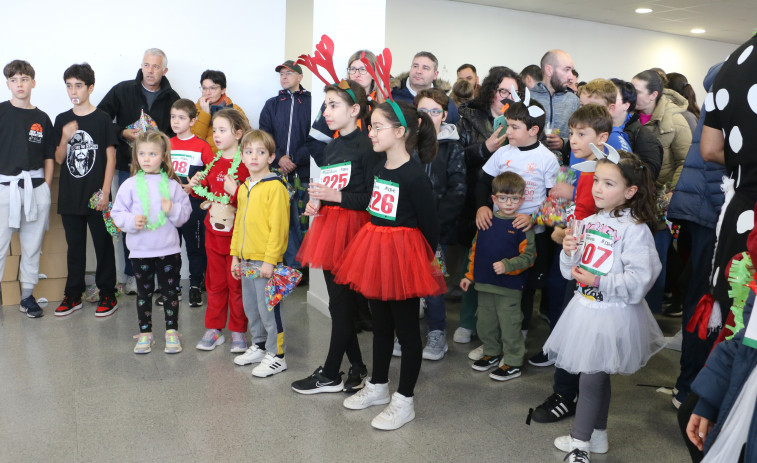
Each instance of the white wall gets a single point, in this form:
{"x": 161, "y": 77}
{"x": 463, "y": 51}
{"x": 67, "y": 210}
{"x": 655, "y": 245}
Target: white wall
{"x": 487, "y": 36}
{"x": 243, "y": 38}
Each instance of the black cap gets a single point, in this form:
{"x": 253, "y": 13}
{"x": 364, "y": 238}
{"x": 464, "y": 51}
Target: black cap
{"x": 289, "y": 64}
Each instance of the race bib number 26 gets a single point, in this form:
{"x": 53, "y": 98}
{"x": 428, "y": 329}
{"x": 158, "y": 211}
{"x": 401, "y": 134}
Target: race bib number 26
{"x": 384, "y": 198}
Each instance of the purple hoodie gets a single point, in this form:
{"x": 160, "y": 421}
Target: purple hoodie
{"x": 163, "y": 241}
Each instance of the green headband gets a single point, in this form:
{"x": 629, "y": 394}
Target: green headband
{"x": 398, "y": 112}
{"x": 346, "y": 88}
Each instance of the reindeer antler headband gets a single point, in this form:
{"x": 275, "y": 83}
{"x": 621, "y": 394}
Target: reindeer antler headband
{"x": 381, "y": 76}
{"x": 324, "y": 57}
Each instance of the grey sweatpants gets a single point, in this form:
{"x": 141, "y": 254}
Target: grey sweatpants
{"x": 30, "y": 234}
{"x": 265, "y": 325}
{"x": 593, "y": 405}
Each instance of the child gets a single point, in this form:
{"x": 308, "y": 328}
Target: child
{"x": 88, "y": 143}
{"x": 447, "y": 174}
{"x": 27, "y": 150}
{"x": 189, "y": 154}
{"x": 390, "y": 259}
{"x": 337, "y": 223}
{"x": 150, "y": 206}
{"x": 538, "y": 166}
{"x": 218, "y": 184}
{"x": 261, "y": 231}
{"x": 500, "y": 256}
{"x": 607, "y": 327}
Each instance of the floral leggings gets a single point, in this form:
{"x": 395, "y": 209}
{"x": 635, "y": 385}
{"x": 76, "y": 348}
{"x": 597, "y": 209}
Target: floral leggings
{"x": 168, "y": 269}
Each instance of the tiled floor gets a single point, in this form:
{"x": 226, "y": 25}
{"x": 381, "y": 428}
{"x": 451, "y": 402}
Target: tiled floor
{"x": 71, "y": 390}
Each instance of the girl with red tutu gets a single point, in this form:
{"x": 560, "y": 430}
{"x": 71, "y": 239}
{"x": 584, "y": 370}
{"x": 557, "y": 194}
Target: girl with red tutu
{"x": 344, "y": 193}
{"x": 390, "y": 261}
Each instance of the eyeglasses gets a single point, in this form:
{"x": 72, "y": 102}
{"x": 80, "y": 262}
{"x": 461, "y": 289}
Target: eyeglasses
{"x": 503, "y": 92}
{"x": 431, "y": 112}
{"x": 286, "y": 73}
{"x": 508, "y": 198}
{"x": 214, "y": 88}
{"x": 372, "y": 129}
{"x": 361, "y": 71}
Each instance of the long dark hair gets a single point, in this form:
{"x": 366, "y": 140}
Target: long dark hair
{"x": 491, "y": 82}
{"x": 653, "y": 82}
{"x": 680, "y": 84}
{"x": 360, "y": 98}
{"x": 636, "y": 173}
{"x": 417, "y": 136}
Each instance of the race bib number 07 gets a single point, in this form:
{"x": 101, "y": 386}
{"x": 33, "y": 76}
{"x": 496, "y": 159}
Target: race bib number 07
{"x": 597, "y": 255}
{"x": 336, "y": 176}
{"x": 384, "y": 198}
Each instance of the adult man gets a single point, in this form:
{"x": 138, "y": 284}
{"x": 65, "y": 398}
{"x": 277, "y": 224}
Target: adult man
{"x": 468, "y": 72}
{"x": 287, "y": 118}
{"x": 150, "y": 92}
{"x": 554, "y": 95}
{"x": 531, "y": 75}
{"x": 423, "y": 74}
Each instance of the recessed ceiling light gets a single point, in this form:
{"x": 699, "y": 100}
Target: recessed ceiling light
{"x": 643, "y": 10}
{"x": 698, "y": 30}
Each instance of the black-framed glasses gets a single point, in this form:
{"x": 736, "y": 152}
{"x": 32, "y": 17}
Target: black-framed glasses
{"x": 508, "y": 198}
{"x": 503, "y": 92}
{"x": 431, "y": 112}
{"x": 361, "y": 71}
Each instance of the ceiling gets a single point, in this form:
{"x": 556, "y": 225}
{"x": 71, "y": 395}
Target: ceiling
{"x": 732, "y": 21}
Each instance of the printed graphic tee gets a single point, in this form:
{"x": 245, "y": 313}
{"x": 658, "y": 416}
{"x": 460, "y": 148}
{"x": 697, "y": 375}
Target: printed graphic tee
{"x": 27, "y": 138}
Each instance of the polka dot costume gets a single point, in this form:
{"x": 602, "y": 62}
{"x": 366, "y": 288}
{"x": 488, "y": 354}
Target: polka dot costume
{"x": 732, "y": 108}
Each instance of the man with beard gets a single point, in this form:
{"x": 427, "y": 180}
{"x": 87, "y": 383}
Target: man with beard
{"x": 555, "y": 96}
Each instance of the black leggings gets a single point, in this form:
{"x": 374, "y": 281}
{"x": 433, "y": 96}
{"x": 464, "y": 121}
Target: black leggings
{"x": 400, "y": 317}
{"x": 168, "y": 269}
{"x": 342, "y": 303}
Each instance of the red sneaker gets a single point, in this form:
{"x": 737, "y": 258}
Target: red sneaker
{"x": 69, "y": 305}
{"x": 108, "y": 304}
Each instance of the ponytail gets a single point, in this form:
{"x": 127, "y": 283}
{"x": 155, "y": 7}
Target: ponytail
{"x": 420, "y": 137}
{"x": 636, "y": 173}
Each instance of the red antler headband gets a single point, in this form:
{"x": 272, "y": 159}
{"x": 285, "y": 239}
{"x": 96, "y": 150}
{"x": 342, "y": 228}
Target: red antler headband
{"x": 324, "y": 57}
{"x": 384, "y": 65}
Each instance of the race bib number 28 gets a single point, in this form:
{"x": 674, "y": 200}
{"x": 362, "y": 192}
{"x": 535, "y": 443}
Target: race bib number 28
{"x": 384, "y": 198}
{"x": 597, "y": 255}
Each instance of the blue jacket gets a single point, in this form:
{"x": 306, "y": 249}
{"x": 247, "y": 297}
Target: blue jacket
{"x": 697, "y": 197}
{"x": 402, "y": 93}
{"x": 287, "y": 118}
{"x": 720, "y": 381}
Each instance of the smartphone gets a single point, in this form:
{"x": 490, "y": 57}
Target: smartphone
{"x": 500, "y": 121}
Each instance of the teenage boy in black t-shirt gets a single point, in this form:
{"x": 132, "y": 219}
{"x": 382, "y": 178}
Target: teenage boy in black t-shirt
{"x": 27, "y": 145}
{"x": 87, "y": 153}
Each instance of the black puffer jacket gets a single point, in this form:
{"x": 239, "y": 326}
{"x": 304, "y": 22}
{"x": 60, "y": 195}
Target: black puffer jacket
{"x": 447, "y": 175}
{"x": 645, "y": 144}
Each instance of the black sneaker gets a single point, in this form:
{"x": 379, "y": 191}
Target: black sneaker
{"x": 487, "y": 362}
{"x": 554, "y": 409}
{"x": 355, "y": 379}
{"x": 504, "y": 373}
{"x": 317, "y": 383}
{"x": 107, "y": 306}
{"x": 541, "y": 360}
{"x": 30, "y": 307}
{"x": 195, "y": 296}
{"x": 68, "y": 305}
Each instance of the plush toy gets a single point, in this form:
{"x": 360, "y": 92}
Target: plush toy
{"x": 221, "y": 215}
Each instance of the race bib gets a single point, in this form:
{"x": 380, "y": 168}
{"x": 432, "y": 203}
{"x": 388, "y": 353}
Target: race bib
{"x": 336, "y": 176}
{"x": 181, "y": 163}
{"x": 597, "y": 256}
{"x": 750, "y": 334}
{"x": 384, "y": 199}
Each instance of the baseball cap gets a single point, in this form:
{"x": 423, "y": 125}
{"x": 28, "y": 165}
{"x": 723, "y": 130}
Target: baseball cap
{"x": 289, "y": 64}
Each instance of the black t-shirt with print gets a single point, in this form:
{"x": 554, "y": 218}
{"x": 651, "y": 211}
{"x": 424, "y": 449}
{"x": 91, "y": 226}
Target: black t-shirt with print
{"x": 83, "y": 171}
{"x": 27, "y": 138}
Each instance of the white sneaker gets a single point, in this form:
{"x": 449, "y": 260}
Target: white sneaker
{"x": 597, "y": 444}
{"x": 371, "y": 394}
{"x": 269, "y": 366}
{"x": 462, "y": 335}
{"x": 477, "y": 353}
{"x": 173, "y": 345}
{"x": 397, "y": 351}
{"x": 253, "y": 354}
{"x": 399, "y": 412}
{"x": 130, "y": 286}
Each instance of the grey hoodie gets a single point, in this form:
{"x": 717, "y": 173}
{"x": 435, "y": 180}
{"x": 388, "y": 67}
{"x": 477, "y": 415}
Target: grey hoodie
{"x": 559, "y": 107}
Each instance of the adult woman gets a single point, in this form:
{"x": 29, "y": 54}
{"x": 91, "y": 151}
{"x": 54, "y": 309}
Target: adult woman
{"x": 477, "y": 135}
{"x": 681, "y": 85}
{"x": 213, "y": 99}
{"x": 663, "y": 115}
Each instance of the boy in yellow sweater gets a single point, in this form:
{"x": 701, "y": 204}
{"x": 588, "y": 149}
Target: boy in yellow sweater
{"x": 261, "y": 231}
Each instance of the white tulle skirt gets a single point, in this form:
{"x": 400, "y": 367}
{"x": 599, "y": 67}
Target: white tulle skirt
{"x": 610, "y": 337}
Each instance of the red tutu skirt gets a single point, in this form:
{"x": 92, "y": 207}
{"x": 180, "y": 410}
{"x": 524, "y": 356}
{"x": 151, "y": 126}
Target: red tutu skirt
{"x": 329, "y": 235}
{"x": 390, "y": 264}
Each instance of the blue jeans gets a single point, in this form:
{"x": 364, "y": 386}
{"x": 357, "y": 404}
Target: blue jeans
{"x": 122, "y": 176}
{"x": 297, "y": 228}
{"x": 662, "y": 240}
{"x": 436, "y": 310}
